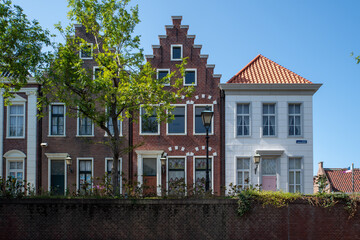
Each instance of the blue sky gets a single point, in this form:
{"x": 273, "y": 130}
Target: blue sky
{"x": 311, "y": 38}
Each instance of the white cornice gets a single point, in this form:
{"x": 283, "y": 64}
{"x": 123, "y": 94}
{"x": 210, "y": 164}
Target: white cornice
{"x": 210, "y": 65}
{"x": 149, "y": 152}
{"x": 238, "y": 87}
{"x": 56, "y": 155}
{"x": 270, "y": 152}
{"x": 197, "y": 46}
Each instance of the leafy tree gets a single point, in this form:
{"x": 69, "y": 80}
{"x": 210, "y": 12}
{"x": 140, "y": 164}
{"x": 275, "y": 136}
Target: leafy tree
{"x": 21, "y": 43}
{"x": 124, "y": 82}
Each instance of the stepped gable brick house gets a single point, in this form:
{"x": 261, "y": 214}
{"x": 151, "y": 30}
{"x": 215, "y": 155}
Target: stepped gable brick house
{"x": 183, "y": 140}
{"x": 338, "y": 180}
{"x": 269, "y": 128}
{"x": 19, "y": 146}
{"x": 64, "y": 136}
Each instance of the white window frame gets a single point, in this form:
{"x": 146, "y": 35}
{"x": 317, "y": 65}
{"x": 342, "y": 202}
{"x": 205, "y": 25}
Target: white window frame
{"x": 78, "y": 128}
{"x": 301, "y": 119}
{"x": 242, "y": 170}
{"x": 167, "y": 124}
{"x": 15, "y": 160}
{"x": 190, "y": 69}
{"x": 120, "y": 169}
{"x": 268, "y": 115}
{"x": 171, "y": 52}
{"x": 50, "y": 122}
{"x": 92, "y": 50}
{"x": 212, "y": 120}
{"x": 121, "y": 127}
{"x": 14, "y": 103}
{"x": 140, "y": 125}
{"x": 167, "y": 171}
{"x": 163, "y": 70}
{"x": 212, "y": 170}
{"x": 301, "y": 170}
{"x": 250, "y": 119}
{"x": 94, "y": 69}
{"x": 78, "y": 170}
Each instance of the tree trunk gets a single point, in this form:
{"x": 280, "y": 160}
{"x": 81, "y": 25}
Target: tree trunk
{"x": 115, "y": 142}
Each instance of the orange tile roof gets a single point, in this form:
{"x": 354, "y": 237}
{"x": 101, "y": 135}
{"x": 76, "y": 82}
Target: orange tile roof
{"x": 341, "y": 181}
{"x": 262, "y": 70}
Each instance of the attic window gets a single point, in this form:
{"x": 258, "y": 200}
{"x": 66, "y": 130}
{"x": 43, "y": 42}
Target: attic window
{"x": 86, "y": 51}
{"x": 176, "y": 52}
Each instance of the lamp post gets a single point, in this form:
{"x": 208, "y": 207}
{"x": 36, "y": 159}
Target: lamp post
{"x": 69, "y": 162}
{"x": 206, "y": 116}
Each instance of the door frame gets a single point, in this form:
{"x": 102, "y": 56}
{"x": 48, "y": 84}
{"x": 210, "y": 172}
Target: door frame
{"x": 277, "y": 175}
{"x": 57, "y": 156}
{"x": 149, "y": 154}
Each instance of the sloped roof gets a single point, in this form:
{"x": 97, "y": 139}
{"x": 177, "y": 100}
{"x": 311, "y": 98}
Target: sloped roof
{"x": 341, "y": 181}
{"x": 262, "y": 70}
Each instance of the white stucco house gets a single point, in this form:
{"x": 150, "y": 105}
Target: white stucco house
{"x": 268, "y": 113}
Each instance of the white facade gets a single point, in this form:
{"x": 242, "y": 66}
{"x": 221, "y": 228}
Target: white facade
{"x": 281, "y": 146}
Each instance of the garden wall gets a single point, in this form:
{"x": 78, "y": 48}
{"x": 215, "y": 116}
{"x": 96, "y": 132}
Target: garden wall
{"x": 170, "y": 219}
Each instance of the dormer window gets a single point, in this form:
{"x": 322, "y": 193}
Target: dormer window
{"x": 86, "y": 50}
{"x": 176, "y": 52}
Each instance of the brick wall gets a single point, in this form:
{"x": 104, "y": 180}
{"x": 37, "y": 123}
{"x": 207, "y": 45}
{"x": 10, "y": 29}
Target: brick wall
{"x": 170, "y": 219}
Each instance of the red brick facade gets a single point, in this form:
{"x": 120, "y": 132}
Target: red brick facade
{"x": 54, "y": 149}
{"x": 79, "y": 148}
{"x": 206, "y": 92}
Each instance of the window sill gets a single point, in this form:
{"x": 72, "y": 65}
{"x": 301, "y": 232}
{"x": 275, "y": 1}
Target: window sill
{"x": 274, "y": 136}
{"x": 9, "y": 137}
{"x": 176, "y": 59}
{"x": 56, "y": 136}
{"x": 149, "y": 134}
{"x": 176, "y": 134}
{"x": 106, "y": 135}
{"x": 298, "y": 136}
{"x": 89, "y": 58}
{"x": 202, "y": 134}
{"x": 85, "y": 135}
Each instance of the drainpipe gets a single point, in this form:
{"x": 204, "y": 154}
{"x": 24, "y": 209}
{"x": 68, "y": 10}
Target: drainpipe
{"x": 222, "y": 141}
{"x": 131, "y": 150}
{"x": 39, "y": 149}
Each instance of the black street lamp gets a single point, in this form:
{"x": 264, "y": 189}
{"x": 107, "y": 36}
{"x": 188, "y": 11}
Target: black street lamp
{"x": 206, "y": 116}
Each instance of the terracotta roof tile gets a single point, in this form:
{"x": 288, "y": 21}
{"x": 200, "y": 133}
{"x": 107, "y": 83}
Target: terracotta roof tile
{"x": 341, "y": 181}
{"x": 262, "y": 70}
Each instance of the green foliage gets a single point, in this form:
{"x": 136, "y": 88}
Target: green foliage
{"x": 21, "y": 43}
{"x": 321, "y": 181}
{"x": 251, "y": 195}
{"x": 357, "y": 58}
{"x": 13, "y": 188}
{"x": 123, "y": 84}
